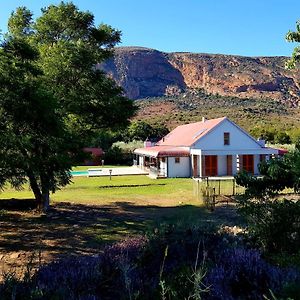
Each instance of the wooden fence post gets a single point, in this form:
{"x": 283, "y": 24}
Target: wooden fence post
{"x": 233, "y": 187}
{"x": 214, "y": 199}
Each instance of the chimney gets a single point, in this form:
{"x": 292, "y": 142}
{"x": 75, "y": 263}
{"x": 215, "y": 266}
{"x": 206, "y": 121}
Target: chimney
{"x": 147, "y": 143}
{"x": 203, "y": 119}
{"x": 261, "y": 141}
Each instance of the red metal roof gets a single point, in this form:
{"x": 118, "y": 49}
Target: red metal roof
{"x": 163, "y": 151}
{"x": 282, "y": 151}
{"x": 187, "y": 135}
{"x": 94, "y": 151}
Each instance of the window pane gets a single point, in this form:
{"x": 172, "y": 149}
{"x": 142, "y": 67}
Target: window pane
{"x": 226, "y": 138}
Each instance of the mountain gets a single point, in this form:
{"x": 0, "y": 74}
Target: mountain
{"x": 144, "y": 73}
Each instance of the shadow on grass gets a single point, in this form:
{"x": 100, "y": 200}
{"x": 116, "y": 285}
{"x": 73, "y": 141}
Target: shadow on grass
{"x": 76, "y": 229}
{"x": 18, "y": 204}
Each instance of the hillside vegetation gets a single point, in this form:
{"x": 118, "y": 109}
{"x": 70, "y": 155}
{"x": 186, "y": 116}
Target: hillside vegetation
{"x": 191, "y": 106}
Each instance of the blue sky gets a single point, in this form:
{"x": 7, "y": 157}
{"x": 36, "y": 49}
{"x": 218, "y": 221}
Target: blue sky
{"x": 243, "y": 27}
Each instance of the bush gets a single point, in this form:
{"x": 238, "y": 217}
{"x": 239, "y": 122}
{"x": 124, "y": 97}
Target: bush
{"x": 243, "y": 274}
{"x": 182, "y": 244}
{"x": 274, "y": 225}
{"x": 171, "y": 264}
{"x": 116, "y": 155}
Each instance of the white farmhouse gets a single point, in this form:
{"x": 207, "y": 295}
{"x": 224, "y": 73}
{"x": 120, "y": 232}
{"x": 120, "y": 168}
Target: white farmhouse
{"x": 216, "y": 147}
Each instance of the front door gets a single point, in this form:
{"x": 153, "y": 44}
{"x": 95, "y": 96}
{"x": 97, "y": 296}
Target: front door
{"x": 195, "y": 166}
{"x": 248, "y": 163}
{"x": 211, "y": 165}
{"x": 229, "y": 165}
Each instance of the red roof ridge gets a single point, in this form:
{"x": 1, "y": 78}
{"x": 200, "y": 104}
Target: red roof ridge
{"x": 187, "y": 134}
{"x": 201, "y": 122}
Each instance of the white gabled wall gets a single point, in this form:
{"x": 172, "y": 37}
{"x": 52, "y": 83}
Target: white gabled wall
{"x": 182, "y": 169}
{"x": 214, "y": 140}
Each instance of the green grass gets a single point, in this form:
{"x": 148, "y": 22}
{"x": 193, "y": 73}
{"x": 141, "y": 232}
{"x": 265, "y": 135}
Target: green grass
{"x": 93, "y": 212}
{"x": 89, "y": 190}
{"x": 85, "y": 168}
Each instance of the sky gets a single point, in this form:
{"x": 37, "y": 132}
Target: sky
{"x": 239, "y": 27}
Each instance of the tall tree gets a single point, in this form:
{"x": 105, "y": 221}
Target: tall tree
{"x": 294, "y": 36}
{"x": 33, "y": 137}
{"x": 53, "y": 95}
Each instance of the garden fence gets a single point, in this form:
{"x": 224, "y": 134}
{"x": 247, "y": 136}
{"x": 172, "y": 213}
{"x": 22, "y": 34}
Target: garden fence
{"x": 213, "y": 191}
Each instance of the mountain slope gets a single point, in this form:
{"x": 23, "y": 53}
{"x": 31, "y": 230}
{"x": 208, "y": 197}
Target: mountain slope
{"x": 144, "y": 72}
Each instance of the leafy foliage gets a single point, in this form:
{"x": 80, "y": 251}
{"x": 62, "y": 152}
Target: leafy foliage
{"x": 33, "y": 136}
{"x": 53, "y": 95}
{"x": 141, "y": 130}
{"x": 276, "y": 175}
{"x": 294, "y": 36}
{"x": 118, "y": 156}
{"x": 273, "y": 224}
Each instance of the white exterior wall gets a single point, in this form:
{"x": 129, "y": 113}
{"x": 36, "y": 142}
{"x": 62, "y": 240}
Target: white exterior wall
{"x": 163, "y": 166}
{"x": 222, "y": 165}
{"x": 234, "y": 165}
{"x": 182, "y": 169}
{"x": 256, "y": 162}
{"x": 141, "y": 161}
{"x": 214, "y": 140}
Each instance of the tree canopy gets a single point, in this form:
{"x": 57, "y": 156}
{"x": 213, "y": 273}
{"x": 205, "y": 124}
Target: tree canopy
{"x": 141, "y": 130}
{"x": 53, "y": 94}
{"x": 276, "y": 175}
{"x": 294, "y": 36}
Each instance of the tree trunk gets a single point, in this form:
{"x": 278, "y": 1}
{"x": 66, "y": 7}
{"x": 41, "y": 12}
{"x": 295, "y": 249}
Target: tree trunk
{"x": 42, "y": 196}
{"x": 45, "y": 200}
{"x": 45, "y": 192}
{"x": 36, "y": 190}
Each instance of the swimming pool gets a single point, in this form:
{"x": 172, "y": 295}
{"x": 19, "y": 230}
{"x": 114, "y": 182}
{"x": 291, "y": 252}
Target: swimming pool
{"x": 79, "y": 173}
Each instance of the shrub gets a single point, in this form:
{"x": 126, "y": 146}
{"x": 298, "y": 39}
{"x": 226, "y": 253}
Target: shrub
{"x": 119, "y": 267}
{"x": 183, "y": 244}
{"x": 173, "y": 263}
{"x": 71, "y": 278}
{"x": 116, "y": 155}
{"x": 274, "y": 225}
{"x": 243, "y": 274}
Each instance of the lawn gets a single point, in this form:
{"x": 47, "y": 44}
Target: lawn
{"x": 93, "y": 212}
{"x": 137, "y": 189}
{"x": 85, "y": 168}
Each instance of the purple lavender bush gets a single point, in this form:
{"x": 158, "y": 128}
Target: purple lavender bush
{"x": 119, "y": 267}
{"x": 243, "y": 274}
{"x": 76, "y": 277}
{"x": 183, "y": 244}
{"x": 137, "y": 268}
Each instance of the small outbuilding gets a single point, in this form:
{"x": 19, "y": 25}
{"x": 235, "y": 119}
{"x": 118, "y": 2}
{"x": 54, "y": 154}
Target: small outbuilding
{"x": 95, "y": 156}
{"x": 209, "y": 148}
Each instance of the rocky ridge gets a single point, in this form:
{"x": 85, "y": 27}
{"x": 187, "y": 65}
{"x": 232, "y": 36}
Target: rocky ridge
{"x": 144, "y": 72}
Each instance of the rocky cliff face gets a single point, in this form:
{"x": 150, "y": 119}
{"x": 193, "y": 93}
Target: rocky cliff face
{"x": 143, "y": 72}
{"x": 146, "y": 72}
